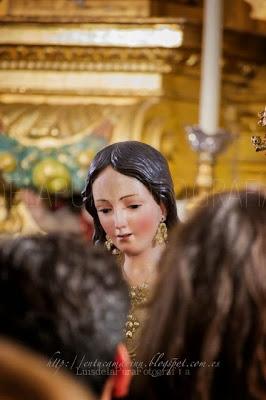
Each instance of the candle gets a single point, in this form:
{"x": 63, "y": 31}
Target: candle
{"x": 211, "y": 67}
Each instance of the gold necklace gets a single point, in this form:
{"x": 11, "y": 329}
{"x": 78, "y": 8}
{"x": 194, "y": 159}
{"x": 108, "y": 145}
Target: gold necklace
{"x": 138, "y": 296}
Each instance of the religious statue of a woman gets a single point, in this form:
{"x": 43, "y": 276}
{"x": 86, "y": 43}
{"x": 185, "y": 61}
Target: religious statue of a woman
{"x": 129, "y": 193}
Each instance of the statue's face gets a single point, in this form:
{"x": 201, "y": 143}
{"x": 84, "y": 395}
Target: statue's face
{"x": 127, "y": 211}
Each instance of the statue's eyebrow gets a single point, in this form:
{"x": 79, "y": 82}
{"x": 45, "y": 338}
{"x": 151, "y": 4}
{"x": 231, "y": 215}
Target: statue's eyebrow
{"x": 121, "y": 198}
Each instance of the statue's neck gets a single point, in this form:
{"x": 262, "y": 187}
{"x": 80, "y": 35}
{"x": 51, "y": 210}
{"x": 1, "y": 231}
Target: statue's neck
{"x": 142, "y": 268}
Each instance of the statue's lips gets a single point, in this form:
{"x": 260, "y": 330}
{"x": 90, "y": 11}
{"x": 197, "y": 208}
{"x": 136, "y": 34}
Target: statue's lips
{"x": 124, "y": 236}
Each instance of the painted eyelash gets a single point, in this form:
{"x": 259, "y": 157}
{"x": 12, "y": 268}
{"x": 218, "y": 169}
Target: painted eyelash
{"x": 104, "y": 210}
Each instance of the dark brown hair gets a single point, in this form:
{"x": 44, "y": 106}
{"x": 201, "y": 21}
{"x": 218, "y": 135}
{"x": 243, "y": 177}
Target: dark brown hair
{"x": 209, "y": 306}
{"x": 140, "y": 161}
{"x": 65, "y": 300}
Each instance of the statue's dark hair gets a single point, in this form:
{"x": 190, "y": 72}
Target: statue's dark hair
{"x": 209, "y": 306}
{"x": 137, "y": 160}
{"x": 65, "y": 300}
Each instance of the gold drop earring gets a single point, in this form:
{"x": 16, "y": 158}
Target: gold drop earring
{"x": 109, "y": 244}
{"x": 161, "y": 233}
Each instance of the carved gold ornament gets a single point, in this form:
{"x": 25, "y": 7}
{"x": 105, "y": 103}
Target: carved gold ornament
{"x": 262, "y": 118}
{"x": 258, "y": 9}
{"x": 51, "y": 175}
{"x": 7, "y": 162}
{"x": 85, "y": 157}
{"x": 258, "y": 142}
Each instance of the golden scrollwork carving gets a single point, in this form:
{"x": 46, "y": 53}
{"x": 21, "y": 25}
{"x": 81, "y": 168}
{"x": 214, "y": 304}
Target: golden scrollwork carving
{"x": 91, "y": 59}
{"x": 47, "y": 126}
{"x": 159, "y": 60}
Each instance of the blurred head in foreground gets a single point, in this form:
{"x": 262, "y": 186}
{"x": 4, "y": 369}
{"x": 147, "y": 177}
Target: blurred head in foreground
{"x": 68, "y": 301}
{"x": 208, "y": 315}
{"x": 25, "y": 375}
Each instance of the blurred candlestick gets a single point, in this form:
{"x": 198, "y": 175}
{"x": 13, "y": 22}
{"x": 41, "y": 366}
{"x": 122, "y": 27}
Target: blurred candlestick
{"x": 211, "y": 66}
